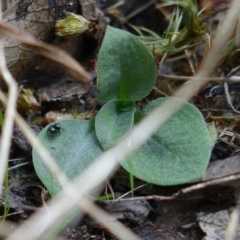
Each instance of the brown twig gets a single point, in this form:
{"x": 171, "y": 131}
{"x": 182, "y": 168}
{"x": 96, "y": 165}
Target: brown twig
{"x": 208, "y": 79}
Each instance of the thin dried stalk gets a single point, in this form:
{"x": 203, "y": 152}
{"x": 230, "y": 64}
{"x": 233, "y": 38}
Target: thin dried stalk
{"x": 212, "y": 182}
{"x": 211, "y": 79}
{"x": 5, "y": 141}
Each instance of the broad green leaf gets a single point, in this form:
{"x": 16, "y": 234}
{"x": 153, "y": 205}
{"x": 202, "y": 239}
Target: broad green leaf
{"x": 114, "y": 120}
{"x": 126, "y": 68}
{"x": 179, "y": 151}
{"x": 74, "y": 148}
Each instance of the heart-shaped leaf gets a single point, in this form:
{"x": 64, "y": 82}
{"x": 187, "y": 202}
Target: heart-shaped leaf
{"x": 179, "y": 151}
{"x": 126, "y": 68}
{"x": 73, "y": 144}
{"x": 114, "y": 120}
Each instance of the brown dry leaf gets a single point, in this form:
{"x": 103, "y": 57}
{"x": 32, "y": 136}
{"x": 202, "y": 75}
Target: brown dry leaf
{"x": 37, "y": 19}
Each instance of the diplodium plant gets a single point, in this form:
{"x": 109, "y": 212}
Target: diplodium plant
{"x": 177, "y": 153}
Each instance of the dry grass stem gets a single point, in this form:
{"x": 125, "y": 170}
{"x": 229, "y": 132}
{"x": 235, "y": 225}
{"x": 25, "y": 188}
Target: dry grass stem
{"x": 5, "y": 141}
{"x": 129, "y": 192}
{"x": 57, "y": 55}
{"x": 205, "y": 79}
{"x": 11, "y": 214}
{"x": 208, "y": 183}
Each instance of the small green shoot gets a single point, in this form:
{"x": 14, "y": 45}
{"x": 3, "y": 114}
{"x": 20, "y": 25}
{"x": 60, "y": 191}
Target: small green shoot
{"x": 175, "y": 39}
{"x": 131, "y": 178}
{"x": 1, "y": 118}
{"x": 101, "y": 198}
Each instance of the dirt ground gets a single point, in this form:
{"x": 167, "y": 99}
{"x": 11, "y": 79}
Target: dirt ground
{"x": 201, "y": 210}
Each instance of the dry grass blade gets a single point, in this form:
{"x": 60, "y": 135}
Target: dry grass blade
{"x": 208, "y": 79}
{"x": 213, "y": 182}
{"x": 57, "y": 55}
{"x": 5, "y": 141}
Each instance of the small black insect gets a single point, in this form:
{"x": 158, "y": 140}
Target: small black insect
{"x": 54, "y": 129}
